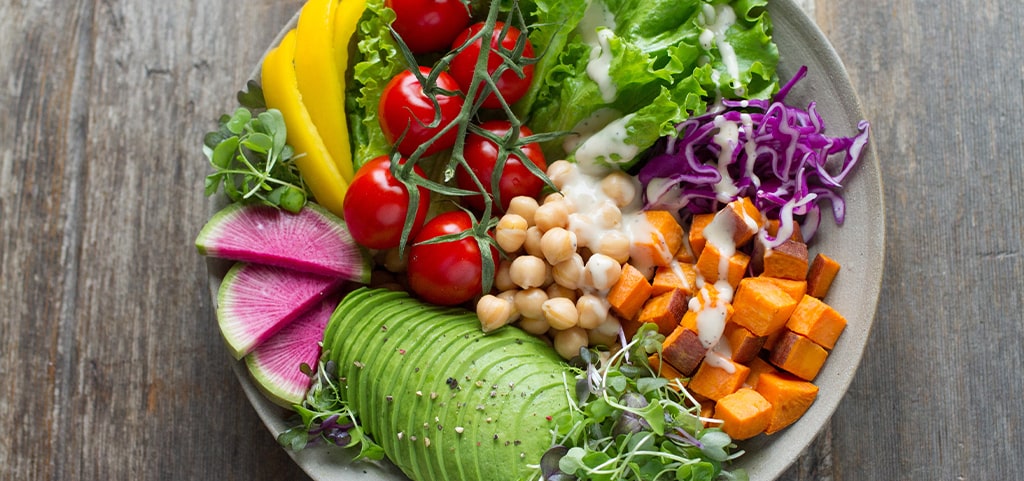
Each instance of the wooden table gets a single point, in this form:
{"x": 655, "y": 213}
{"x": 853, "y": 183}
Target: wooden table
{"x": 111, "y": 365}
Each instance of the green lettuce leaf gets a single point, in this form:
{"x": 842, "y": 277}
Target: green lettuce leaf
{"x": 378, "y": 61}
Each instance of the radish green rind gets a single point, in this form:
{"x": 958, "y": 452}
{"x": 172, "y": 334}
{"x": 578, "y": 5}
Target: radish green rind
{"x": 255, "y": 301}
{"x": 313, "y": 240}
{"x": 275, "y": 365}
{"x": 486, "y": 402}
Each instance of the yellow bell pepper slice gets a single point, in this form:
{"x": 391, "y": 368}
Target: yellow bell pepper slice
{"x": 346, "y": 21}
{"x": 281, "y": 91}
{"x": 322, "y": 89}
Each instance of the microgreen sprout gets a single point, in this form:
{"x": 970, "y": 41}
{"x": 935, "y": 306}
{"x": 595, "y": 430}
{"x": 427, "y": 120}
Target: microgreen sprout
{"x": 628, "y": 423}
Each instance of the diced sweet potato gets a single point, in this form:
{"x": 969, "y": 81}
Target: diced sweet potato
{"x": 761, "y": 306}
{"x": 795, "y": 289}
{"x": 707, "y": 411}
{"x": 772, "y": 339}
{"x": 758, "y": 367}
{"x": 685, "y": 254}
{"x": 743, "y": 344}
{"x": 817, "y": 321}
{"x": 663, "y": 369}
{"x": 798, "y": 355}
{"x": 744, "y": 413}
{"x": 789, "y": 396}
{"x": 714, "y": 382}
{"x": 741, "y": 218}
{"x": 629, "y": 293}
{"x": 659, "y": 246}
{"x": 772, "y": 227}
{"x": 712, "y": 269}
{"x": 683, "y": 350}
{"x": 677, "y": 275}
{"x": 822, "y": 272}
{"x": 665, "y": 310}
{"x": 696, "y": 234}
{"x": 710, "y": 306}
{"x": 787, "y": 261}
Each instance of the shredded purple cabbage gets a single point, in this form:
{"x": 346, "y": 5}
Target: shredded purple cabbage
{"x": 777, "y": 155}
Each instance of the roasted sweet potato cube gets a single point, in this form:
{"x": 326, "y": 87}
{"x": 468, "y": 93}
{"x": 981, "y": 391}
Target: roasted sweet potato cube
{"x": 817, "y": 321}
{"x": 696, "y": 234}
{"x": 715, "y": 382}
{"x": 743, "y": 344}
{"x": 761, "y": 306}
{"x": 665, "y": 310}
{"x": 772, "y": 339}
{"x": 787, "y": 261}
{"x": 663, "y": 369}
{"x": 685, "y": 254}
{"x": 789, "y": 396}
{"x": 772, "y": 228}
{"x": 629, "y": 293}
{"x": 744, "y": 413}
{"x": 712, "y": 269}
{"x": 660, "y": 244}
{"x": 741, "y": 218}
{"x": 683, "y": 350}
{"x": 758, "y": 366}
{"x": 798, "y": 355}
{"x": 795, "y": 289}
{"x": 674, "y": 276}
{"x": 822, "y": 272}
{"x": 709, "y": 307}
{"x": 707, "y": 411}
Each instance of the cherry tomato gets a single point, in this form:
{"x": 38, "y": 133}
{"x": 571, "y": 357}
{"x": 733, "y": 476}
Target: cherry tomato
{"x": 446, "y": 273}
{"x": 511, "y": 86}
{"x": 403, "y": 104}
{"x": 376, "y": 204}
{"x": 428, "y": 25}
{"x": 482, "y": 155}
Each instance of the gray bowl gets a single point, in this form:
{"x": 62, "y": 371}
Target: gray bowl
{"x": 858, "y": 246}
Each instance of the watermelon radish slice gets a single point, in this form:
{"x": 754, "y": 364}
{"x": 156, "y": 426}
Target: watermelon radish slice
{"x": 255, "y": 301}
{"x": 314, "y": 240}
{"x": 275, "y": 364}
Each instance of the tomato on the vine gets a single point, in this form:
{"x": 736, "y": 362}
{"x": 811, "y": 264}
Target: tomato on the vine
{"x": 511, "y": 85}
{"x": 428, "y": 25}
{"x": 376, "y": 205}
{"x": 516, "y": 179}
{"x": 446, "y": 273}
{"x": 405, "y": 108}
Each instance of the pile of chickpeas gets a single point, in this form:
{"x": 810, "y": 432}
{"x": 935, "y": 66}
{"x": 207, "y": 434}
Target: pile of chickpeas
{"x": 563, "y": 259}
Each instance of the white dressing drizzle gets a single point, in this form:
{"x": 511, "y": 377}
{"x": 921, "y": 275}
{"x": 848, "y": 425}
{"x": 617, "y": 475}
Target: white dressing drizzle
{"x": 608, "y": 146}
{"x": 595, "y": 28}
{"x": 717, "y": 21}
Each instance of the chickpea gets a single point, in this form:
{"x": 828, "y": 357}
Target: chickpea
{"x": 569, "y": 342}
{"x": 532, "y": 243}
{"x": 560, "y": 313}
{"x": 558, "y": 245}
{"x": 601, "y": 272}
{"x": 529, "y": 302}
{"x": 569, "y": 273}
{"x": 510, "y": 296}
{"x": 610, "y": 326}
{"x": 598, "y": 338}
{"x": 393, "y": 262}
{"x": 614, "y": 244}
{"x": 561, "y": 172}
{"x": 555, "y": 290}
{"x": 523, "y": 206}
{"x": 608, "y": 215}
{"x": 494, "y": 312}
{"x": 620, "y": 187}
{"x": 552, "y": 214}
{"x": 511, "y": 232}
{"x": 503, "y": 277}
{"x": 537, "y": 327}
{"x": 528, "y": 271}
{"x": 593, "y": 311}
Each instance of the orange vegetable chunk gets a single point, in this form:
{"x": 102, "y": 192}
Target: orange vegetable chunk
{"x": 798, "y": 355}
{"x": 795, "y": 289}
{"x": 665, "y": 310}
{"x": 741, "y": 218}
{"x": 696, "y": 234}
{"x": 663, "y": 369}
{"x": 787, "y": 261}
{"x": 743, "y": 344}
{"x": 789, "y": 395}
{"x": 629, "y": 293}
{"x": 758, "y": 367}
{"x": 744, "y": 413}
{"x": 822, "y": 272}
{"x": 683, "y": 350}
{"x": 772, "y": 227}
{"x": 817, "y": 321}
{"x": 710, "y": 266}
{"x": 761, "y": 306}
{"x": 660, "y": 245}
{"x": 714, "y": 382}
{"x": 667, "y": 278}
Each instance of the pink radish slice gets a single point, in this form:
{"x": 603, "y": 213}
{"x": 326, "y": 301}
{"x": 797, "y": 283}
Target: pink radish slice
{"x": 255, "y": 301}
{"x": 314, "y": 240}
{"x": 275, "y": 365}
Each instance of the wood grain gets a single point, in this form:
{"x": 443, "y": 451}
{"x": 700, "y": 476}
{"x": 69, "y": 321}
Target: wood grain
{"x": 111, "y": 361}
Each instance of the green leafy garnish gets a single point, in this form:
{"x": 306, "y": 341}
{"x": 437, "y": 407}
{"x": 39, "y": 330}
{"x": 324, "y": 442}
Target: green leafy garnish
{"x": 628, "y": 423}
{"x": 324, "y": 416}
{"x": 251, "y": 157}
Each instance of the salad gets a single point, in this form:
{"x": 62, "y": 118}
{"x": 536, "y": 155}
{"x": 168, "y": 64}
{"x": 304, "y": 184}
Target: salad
{"x": 605, "y": 205}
